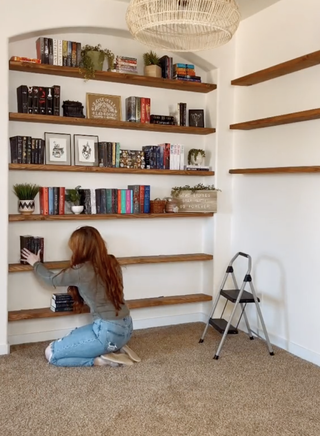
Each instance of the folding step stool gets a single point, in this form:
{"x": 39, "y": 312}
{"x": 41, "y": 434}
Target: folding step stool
{"x": 236, "y": 296}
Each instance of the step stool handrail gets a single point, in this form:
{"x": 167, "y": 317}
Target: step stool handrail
{"x": 240, "y": 253}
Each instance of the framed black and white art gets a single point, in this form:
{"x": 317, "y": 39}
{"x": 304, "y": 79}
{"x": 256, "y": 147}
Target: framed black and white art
{"x": 86, "y": 150}
{"x": 58, "y": 148}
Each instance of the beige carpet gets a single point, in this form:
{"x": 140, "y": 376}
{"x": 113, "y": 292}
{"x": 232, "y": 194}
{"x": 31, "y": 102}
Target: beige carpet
{"x": 177, "y": 389}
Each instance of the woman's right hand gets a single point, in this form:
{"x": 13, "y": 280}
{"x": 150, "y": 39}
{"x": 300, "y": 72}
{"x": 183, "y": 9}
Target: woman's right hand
{"x": 29, "y": 257}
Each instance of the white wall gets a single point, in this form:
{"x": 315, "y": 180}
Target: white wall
{"x": 276, "y": 217}
{"x": 104, "y": 22}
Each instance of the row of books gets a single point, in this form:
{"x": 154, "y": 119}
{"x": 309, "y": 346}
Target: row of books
{"x": 164, "y": 156}
{"x": 39, "y": 100}
{"x": 125, "y": 64}
{"x": 62, "y": 302}
{"x": 58, "y": 52}
{"x": 33, "y": 244}
{"x": 166, "y": 64}
{"x": 134, "y": 199}
{"x": 52, "y": 200}
{"x": 137, "y": 109}
{"x": 27, "y": 150}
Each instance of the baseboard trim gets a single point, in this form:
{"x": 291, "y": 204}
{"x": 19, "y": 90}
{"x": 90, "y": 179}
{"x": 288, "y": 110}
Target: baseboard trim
{"x": 4, "y": 349}
{"x": 137, "y": 325}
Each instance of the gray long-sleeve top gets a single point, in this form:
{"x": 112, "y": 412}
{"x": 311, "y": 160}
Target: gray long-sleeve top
{"x": 90, "y": 288}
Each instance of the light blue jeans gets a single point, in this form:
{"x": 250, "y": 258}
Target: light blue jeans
{"x": 84, "y": 344}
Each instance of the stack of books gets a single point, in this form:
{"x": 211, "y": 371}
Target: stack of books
{"x": 185, "y": 72}
{"x": 58, "y": 52}
{"x": 138, "y": 109}
{"x": 125, "y": 64}
{"x": 61, "y": 303}
{"x": 41, "y": 100}
{"x": 52, "y": 200}
{"x": 27, "y": 150}
{"x": 33, "y": 244}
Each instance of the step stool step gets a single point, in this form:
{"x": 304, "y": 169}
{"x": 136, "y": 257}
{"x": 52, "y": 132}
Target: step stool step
{"x": 220, "y": 324}
{"x": 232, "y": 295}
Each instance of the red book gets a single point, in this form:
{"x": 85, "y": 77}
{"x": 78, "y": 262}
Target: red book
{"x": 143, "y": 110}
{"x": 44, "y": 200}
{"x": 148, "y": 104}
{"x": 141, "y": 198}
{"x": 62, "y": 198}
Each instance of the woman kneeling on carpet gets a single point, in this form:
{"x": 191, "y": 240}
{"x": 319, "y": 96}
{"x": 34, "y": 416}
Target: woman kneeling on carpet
{"x": 94, "y": 277}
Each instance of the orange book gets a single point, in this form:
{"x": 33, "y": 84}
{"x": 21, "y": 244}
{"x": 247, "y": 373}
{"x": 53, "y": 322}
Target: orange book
{"x": 44, "y": 200}
{"x": 119, "y": 201}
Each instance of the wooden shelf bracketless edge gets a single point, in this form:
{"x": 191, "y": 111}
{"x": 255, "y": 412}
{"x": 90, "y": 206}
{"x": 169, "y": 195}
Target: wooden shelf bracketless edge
{"x": 110, "y": 216}
{"x": 278, "y": 120}
{"x": 276, "y": 170}
{"x": 19, "y": 315}
{"x": 87, "y": 169}
{"x": 132, "y": 260}
{"x": 109, "y": 124}
{"x": 300, "y": 63}
{"x": 107, "y": 76}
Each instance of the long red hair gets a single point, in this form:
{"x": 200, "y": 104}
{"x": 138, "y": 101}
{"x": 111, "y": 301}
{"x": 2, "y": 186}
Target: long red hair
{"x": 87, "y": 245}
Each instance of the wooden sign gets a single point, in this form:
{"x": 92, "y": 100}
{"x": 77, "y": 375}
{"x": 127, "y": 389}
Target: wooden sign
{"x": 102, "y": 106}
{"x": 197, "y": 201}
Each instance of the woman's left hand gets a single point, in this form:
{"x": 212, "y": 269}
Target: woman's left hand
{"x": 29, "y": 257}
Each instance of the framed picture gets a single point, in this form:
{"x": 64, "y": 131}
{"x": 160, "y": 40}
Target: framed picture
{"x": 196, "y": 117}
{"x": 86, "y": 150}
{"x": 58, "y": 148}
{"x": 102, "y": 106}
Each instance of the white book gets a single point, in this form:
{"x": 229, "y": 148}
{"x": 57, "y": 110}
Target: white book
{"x": 181, "y": 162}
{"x": 93, "y": 201}
{"x": 55, "y": 52}
{"x": 60, "y": 61}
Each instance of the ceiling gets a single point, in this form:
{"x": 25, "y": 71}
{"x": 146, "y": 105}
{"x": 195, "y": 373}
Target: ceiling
{"x": 247, "y": 7}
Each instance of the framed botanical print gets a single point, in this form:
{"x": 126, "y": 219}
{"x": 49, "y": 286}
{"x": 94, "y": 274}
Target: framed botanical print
{"x": 102, "y": 106}
{"x": 85, "y": 150}
{"x": 58, "y": 148}
{"x": 196, "y": 118}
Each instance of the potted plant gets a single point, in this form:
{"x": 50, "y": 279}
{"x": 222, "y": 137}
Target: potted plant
{"x": 152, "y": 64}
{"x": 199, "y": 198}
{"x": 196, "y": 156}
{"x": 73, "y": 197}
{"x": 26, "y": 193}
{"x": 92, "y": 59}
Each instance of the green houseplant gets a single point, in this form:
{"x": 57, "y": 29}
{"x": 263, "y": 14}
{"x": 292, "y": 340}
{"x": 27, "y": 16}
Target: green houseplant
{"x": 198, "y": 198}
{"x": 92, "y": 59}
{"x": 26, "y": 193}
{"x": 196, "y": 156}
{"x": 152, "y": 64}
{"x": 73, "y": 197}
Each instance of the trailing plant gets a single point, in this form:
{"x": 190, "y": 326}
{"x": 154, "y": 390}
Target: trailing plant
{"x": 151, "y": 58}
{"x": 73, "y": 196}
{"x": 194, "y": 152}
{"x": 175, "y": 191}
{"x": 86, "y": 64}
{"x": 26, "y": 191}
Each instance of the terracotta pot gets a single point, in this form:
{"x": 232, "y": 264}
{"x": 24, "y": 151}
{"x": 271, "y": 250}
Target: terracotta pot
{"x": 153, "y": 71}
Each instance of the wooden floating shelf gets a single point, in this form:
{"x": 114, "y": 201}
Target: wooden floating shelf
{"x": 110, "y": 216}
{"x": 84, "y": 169}
{"x": 106, "y": 76}
{"x": 143, "y": 303}
{"x": 133, "y": 260}
{"x": 295, "y": 117}
{"x": 282, "y": 69}
{"x": 276, "y": 170}
{"x": 109, "y": 124}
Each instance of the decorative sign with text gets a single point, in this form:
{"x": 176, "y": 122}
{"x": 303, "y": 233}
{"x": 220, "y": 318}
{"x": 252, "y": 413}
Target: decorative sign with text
{"x": 101, "y": 106}
{"x": 197, "y": 201}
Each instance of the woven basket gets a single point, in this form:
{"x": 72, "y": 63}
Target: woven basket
{"x": 158, "y": 206}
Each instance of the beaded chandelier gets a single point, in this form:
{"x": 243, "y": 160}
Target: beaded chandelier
{"x": 183, "y": 25}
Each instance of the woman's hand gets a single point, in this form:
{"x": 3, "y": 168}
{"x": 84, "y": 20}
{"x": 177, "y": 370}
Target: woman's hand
{"x": 29, "y": 257}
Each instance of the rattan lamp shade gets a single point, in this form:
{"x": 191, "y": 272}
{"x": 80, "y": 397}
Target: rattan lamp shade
{"x": 183, "y": 25}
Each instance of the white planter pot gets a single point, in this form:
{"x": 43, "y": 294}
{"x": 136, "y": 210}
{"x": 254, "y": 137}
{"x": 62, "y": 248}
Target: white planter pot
{"x": 153, "y": 71}
{"x": 26, "y": 207}
{"x": 77, "y": 209}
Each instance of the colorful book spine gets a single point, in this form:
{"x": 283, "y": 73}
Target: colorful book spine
{"x": 146, "y": 206}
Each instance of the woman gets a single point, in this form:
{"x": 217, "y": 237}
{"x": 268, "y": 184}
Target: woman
{"x": 94, "y": 277}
